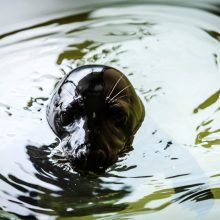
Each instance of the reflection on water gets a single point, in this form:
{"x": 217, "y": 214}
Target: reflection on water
{"x": 171, "y": 54}
{"x": 208, "y": 134}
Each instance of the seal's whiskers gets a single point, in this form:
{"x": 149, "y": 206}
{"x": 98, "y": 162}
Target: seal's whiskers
{"x": 119, "y": 93}
{"x": 115, "y": 100}
{"x": 111, "y": 91}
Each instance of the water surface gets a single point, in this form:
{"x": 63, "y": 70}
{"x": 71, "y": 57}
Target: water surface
{"x": 171, "y": 53}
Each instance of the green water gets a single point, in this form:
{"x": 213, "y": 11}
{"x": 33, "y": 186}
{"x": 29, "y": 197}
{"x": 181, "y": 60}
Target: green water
{"x": 170, "y": 51}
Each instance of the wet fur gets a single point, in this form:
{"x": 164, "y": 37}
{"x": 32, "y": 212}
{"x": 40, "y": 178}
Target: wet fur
{"x": 96, "y": 112}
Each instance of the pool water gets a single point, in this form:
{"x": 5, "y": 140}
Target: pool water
{"x": 170, "y": 51}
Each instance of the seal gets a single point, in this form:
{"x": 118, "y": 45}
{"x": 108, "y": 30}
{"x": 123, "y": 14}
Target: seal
{"x": 95, "y": 112}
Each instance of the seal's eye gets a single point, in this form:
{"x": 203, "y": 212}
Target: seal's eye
{"x": 73, "y": 111}
{"x": 65, "y": 117}
{"x": 119, "y": 116}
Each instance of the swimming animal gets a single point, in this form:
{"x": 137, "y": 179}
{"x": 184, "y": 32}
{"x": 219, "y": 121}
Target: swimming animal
{"x": 95, "y": 112}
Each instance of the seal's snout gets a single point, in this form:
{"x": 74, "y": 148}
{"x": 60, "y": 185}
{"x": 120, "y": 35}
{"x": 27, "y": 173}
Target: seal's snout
{"x": 85, "y": 158}
{"x": 80, "y": 158}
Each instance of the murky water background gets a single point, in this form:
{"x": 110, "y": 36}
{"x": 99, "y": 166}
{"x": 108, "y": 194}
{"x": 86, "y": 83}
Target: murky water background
{"x": 171, "y": 53}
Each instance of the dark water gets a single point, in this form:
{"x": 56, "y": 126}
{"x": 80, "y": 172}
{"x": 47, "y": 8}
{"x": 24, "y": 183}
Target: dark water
{"x": 171, "y": 53}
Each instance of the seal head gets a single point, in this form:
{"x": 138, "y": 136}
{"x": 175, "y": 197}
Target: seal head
{"x": 96, "y": 112}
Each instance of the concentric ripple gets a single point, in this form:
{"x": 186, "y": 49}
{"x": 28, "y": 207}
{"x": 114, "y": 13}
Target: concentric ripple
{"x": 171, "y": 54}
